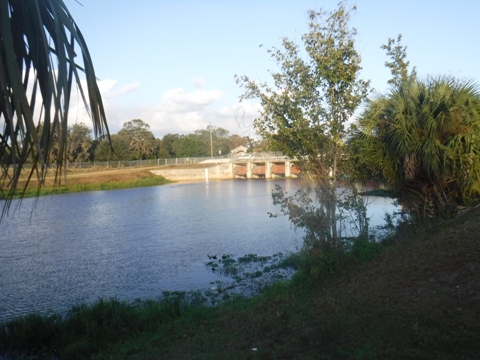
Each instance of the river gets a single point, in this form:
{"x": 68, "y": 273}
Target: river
{"x": 134, "y": 243}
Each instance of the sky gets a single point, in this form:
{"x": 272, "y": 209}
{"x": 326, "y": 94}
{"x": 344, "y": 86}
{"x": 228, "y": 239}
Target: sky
{"x": 172, "y": 63}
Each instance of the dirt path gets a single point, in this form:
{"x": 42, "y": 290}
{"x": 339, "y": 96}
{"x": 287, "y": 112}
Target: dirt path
{"x": 103, "y": 175}
{"x": 103, "y": 172}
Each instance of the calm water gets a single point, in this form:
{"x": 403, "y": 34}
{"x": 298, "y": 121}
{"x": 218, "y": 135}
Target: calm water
{"x": 134, "y": 243}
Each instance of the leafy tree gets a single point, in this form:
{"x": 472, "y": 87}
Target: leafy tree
{"x": 120, "y": 146}
{"x": 79, "y": 144}
{"x": 141, "y": 139}
{"x": 215, "y": 139}
{"x": 237, "y": 140}
{"x": 221, "y": 141}
{"x": 304, "y": 113}
{"x": 260, "y": 145}
{"x": 190, "y": 146}
{"x": 398, "y": 64}
{"x": 42, "y": 49}
{"x": 168, "y": 144}
{"x": 157, "y": 148}
{"x": 202, "y": 137}
{"x": 198, "y": 143}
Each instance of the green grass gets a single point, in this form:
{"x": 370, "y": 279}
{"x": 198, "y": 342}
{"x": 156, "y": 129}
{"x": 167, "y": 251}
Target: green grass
{"x": 64, "y": 189}
{"x": 90, "y": 329}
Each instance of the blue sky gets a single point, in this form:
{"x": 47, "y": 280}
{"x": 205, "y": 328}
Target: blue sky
{"x": 172, "y": 63}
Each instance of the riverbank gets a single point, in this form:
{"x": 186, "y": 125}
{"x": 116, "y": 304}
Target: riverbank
{"x": 418, "y": 297}
{"x": 78, "y": 180}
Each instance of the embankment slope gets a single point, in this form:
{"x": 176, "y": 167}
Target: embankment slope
{"x": 419, "y": 299}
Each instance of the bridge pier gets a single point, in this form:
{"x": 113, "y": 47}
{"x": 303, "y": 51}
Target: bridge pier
{"x": 268, "y": 170}
{"x": 249, "y": 167}
{"x": 288, "y": 169}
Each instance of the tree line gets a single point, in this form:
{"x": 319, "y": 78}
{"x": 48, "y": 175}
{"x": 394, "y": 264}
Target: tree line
{"x": 135, "y": 141}
{"x": 421, "y": 137}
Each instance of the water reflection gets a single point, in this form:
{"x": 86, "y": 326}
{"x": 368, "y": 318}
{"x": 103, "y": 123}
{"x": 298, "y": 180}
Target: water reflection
{"x": 134, "y": 243}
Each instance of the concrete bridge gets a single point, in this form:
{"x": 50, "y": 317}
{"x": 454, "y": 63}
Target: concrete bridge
{"x": 264, "y": 168}
{"x": 246, "y": 166}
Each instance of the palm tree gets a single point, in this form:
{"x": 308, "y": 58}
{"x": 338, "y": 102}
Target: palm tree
{"x": 424, "y": 137}
{"x": 42, "y": 52}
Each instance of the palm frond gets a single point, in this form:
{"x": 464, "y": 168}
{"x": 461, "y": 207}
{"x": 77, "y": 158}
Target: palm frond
{"x": 424, "y": 136}
{"x": 39, "y": 63}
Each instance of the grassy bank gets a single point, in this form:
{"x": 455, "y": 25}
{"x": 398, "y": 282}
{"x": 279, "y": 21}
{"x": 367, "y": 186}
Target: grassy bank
{"x": 94, "y": 179}
{"x": 416, "y": 299}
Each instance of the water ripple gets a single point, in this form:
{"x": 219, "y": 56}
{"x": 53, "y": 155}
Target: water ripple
{"x": 131, "y": 243}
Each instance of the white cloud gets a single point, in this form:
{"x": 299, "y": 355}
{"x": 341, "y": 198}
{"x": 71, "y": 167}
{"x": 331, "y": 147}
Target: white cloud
{"x": 177, "y": 111}
{"x": 111, "y": 89}
{"x": 105, "y": 86}
{"x": 181, "y": 112}
{"x": 125, "y": 89}
{"x": 179, "y": 101}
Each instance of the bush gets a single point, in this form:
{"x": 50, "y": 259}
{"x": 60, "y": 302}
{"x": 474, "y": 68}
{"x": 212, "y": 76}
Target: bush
{"x": 320, "y": 263}
{"x": 364, "y": 250}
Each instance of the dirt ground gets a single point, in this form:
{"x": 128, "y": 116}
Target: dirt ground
{"x": 103, "y": 175}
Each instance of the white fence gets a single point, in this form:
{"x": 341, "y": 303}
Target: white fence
{"x": 167, "y": 162}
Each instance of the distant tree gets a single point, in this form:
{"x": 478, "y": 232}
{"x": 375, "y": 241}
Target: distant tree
{"x": 202, "y": 137}
{"x": 218, "y": 142}
{"x": 221, "y": 141}
{"x": 157, "y": 148}
{"x": 261, "y": 145}
{"x": 168, "y": 145}
{"x": 215, "y": 139}
{"x": 141, "y": 139}
{"x": 192, "y": 145}
{"x": 79, "y": 143}
{"x": 120, "y": 146}
{"x": 237, "y": 140}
